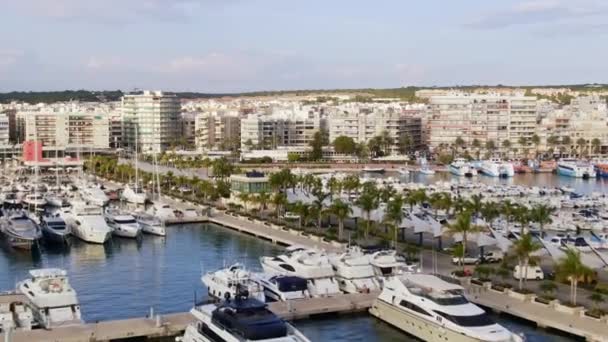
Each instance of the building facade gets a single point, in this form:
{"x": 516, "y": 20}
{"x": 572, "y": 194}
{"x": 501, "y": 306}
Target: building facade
{"x": 61, "y": 130}
{"x": 4, "y": 130}
{"x": 151, "y": 119}
{"x": 217, "y": 131}
{"x": 272, "y": 131}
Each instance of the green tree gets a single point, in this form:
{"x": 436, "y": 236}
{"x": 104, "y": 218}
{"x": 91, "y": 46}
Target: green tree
{"x": 506, "y": 144}
{"x": 490, "y": 211}
{"x": 570, "y": 268}
{"x": 460, "y": 143}
{"x": 303, "y": 211}
{"x": 490, "y": 146}
{"x": 463, "y": 227}
{"x": 368, "y": 201}
{"x": 317, "y": 146}
{"x": 581, "y": 142}
{"x": 345, "y": 145}
{"x": 541, "y": 214}
{"x": 477, "y": 145}
{"x": 523, "y": 249}
{"x": 597, "y": 298}
{"x": 405, "y": 144}
{"x": 566, "y": 143}
{"x": 596, "y": 144}
{"x": 375, "y": 146}
{"x": 394, "y": 215}
{"x": 341, "y": 210}
{"x": 548, "y": 288}
{"x": 222, "y": 168}
{"x": 279, "y": 200}
{"x": 536, "y": 142}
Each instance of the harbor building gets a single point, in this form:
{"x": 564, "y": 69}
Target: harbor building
{"x": 152, "y": 118}
{"x": 481, "y": 117}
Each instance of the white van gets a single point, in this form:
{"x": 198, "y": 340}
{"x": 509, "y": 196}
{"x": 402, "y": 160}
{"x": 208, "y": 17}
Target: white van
{"x": 534, "y": 273}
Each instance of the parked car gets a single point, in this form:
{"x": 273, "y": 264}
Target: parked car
{"x": 534, "y": 273}
{"x": 467, "y": 260}
{"x": 493, "y": 256}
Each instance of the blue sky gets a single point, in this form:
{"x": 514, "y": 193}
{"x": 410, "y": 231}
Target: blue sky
{"x": 243, "y": 45}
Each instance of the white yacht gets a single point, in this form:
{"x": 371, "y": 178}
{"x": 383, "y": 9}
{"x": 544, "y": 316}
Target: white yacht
{"x": 86, "y": 222}
{"x": 134, "y": 193}
{"x": 495, "y": 167}
{"x": 434, "y": 310}
{"x": 94, "y": 195}
{"x": 34, "y": 200}
{"x": 151, "y": 224}
{"x": 224, "y": 283}
{"x": 309, "y": 264}
{"x": 122, "y": 224}
{"x": 354, "y": 272}
{"x": 574, "y": 168}
{"x": 388, "y": 263}
{"x": 460, "y": 167}
{"x": 162, "y": 210}
{"x": 403, "y": 171}
{"x": 51, "y": 298}
{"x": 281, "y": 288}
{"x": 239, "y": 320}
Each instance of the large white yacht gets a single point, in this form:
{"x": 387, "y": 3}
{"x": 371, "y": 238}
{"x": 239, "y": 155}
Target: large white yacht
{"x": 224, "y": 283}
{"x": 460, "y": 167}
{"x": 134, "y": 193}
{"x": 434, "y": 310}
{"x": 354, "y": 271}
{"x": 312, "y": 265}
{"x": 574, "y": 168}
{"x": 162, "y": 210}
{"x": 151, "y": 224}
{"x": 86, "y": 222}
{"x": 51, "y": 298}
{"x": 239, "y": 320}
{"x": 388, "y": 263}
{"x": 122, "y": 224}
{"x": 496, "y": 167}
{"x": 281, "y": 288}
{"x": 94, "y": 195}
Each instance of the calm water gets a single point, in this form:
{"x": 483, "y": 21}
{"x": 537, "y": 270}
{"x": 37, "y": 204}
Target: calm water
{"x": 123, "y": 279}
{"x": 528, "y": 179}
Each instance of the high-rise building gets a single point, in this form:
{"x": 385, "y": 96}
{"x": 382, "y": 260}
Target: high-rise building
{"x": 152, "y": 118}
{"x": 280, "y": 129}
{"x": 115, "y": 127}
{"x": 4, "y": 130}
{"x": 482, "y": 118}
{"x": 63, "y": 130}
{"x": 217, "y": 131}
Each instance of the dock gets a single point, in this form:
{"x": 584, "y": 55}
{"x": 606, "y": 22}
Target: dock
{"x": 544, "y": 316}
{"x": 171, "y": 325}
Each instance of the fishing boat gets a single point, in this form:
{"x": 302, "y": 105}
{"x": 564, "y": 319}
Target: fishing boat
{"x": 574, "y": 168}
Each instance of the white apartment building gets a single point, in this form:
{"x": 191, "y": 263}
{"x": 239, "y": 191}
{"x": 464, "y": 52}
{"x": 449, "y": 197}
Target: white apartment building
{"x": 71, "y": 129}
{"x": 4, "y": 130}
{"x": 282, "y": 128}
{"x": 363, "y": 123}
{"x": 483, "y": 117}
{"x": 152, "y": 118}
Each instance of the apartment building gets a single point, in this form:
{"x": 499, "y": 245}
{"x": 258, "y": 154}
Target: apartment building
{"x": 72, "y": 129}
{"x": 481, "y": 117}
{"x": 217, "y": 131}
{"x": 115, "y": 128}
{"x": 281, "y": 128}
{"x": 187, "y": 128}
{"x": 151, "y": 118}
{"x": 363, "y": 123}
{"x": 4, "y": 130}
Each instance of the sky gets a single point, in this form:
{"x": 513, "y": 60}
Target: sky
{"x": 220, "y": 46}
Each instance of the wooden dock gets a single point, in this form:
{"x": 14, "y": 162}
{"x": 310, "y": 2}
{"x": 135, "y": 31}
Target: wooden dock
{"x": 174, "y": 324}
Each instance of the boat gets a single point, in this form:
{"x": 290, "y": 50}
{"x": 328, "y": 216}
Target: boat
{"x": 150, "y": 224}
{"x": 403, "y": 171}
{"x": 281, "y": 288}
{"x": 122, "y": 224}
{"x": 19, "y": 230}
{"x": 239, "y": 320}
{"x": 10, "y": 199}
{"x": 134, "y": 193}
{"x": 54, "y": 230}
{"x": 387, "y": 264}
{"x": 312, "y": 265}
{"x": 53, "y": 199}
{"x": 460, "y": 167}
{"x": 370, "y": 169}
{"x": 86, "y": 222}
{"x": 574, "y": 168}
{"x": 163, "y": 211}
{"x": 35, "y": 200}
{"x": 51, "y": 298}
{"x": 426, "y": 170}
{"x": 432, "y": 309}
{"x": 95, "y": 195}
{"x": 495, "y": 167}
{"x": 354, "y": 271}
{"x": 223, "y": 283}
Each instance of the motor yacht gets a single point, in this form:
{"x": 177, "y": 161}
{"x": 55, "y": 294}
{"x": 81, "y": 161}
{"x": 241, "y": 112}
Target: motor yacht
{"x": 280, "y": 288}
{"x": 460, "y": 167}
{"x": 239, "y": 320}
{"x": 388, "y": 263}
{"x": 134, "y": 193}
{"x": 53, "y": 199}
{"x": 354, "y": 271}
{"x": 426, "y": 170}
{"x": 150, "y": 224}
{"x": 35, "y": 200}
{"x": 162, "y": 210}
{"x": 495, "y": 167}
{"x": 51, "y": 298}
{"x": 19, "y": 230}
{"x": 11, "y": 200}
{"x": 94, "y": 195}
{"x": 122, "y": 224}
{"x": 86, "y": 222}
{"x": 54, "y": 229}
{"x": 223, "y": 283}
{"x": 432, "y": 309}
{"x": 403, "y": 171}
{"x": 312, "y": 265}
{"x": 574, "y": 168}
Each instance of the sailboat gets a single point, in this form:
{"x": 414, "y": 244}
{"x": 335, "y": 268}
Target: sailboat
{"x": 160, "y": 209}
{"x": 135, "y": 193}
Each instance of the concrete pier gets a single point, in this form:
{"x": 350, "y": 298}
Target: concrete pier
{"x": 174, "y": 324}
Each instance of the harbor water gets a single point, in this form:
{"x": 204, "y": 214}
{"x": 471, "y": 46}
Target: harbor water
{"x": 124, "y": 278}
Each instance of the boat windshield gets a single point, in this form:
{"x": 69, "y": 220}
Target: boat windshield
{"x": 480, "y": 320}
{"x": 125, "y": 221}
{"x": 56, "y": 225}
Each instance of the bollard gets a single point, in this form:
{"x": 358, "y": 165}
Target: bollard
{"x": 7, "y": 334}
{"x": 158, "y": 321}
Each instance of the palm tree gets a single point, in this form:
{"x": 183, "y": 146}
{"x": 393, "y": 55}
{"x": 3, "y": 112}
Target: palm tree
{"x": 523, "y": 249}
{"x": 342, "y": 211}
{"x": 463, "y": 227}
{"x": 350, "y": 183}
{"x": 319, "y": 204}
{"x": 394, "y": 215}
{"x": 475, "y": 204}
{"x": 386, "y": 193}
{"x": 416, "y": 197}
{"x": 368, "y": 201}
{"x": 334, "y": 186}
{"x": 279, "y": 200}
{"x": 522, "y": 216}
{"x": 477, "y": 145}
{"x": 263, "y": 198}
{"x": 506, "y": 144}
{"x": 303, "y": 210}
{"x": 596, "y": 144}
{"x": 541, "y": 214}
{"x": 566, "y": 143}
{"x": 244, "y": 198}
{"x": 490, "y": 211}
{"x": 581, "y": 142}
{"x": 571, "y": 268}
{"x": 597, "y": 298}
{"x": 536, "y": 141}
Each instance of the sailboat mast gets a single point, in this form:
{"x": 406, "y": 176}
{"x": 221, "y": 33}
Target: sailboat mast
{"x": 136, "y": 163}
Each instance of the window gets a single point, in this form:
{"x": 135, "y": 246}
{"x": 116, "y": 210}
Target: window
{"x": 204, "y": 330}
{"x": 413, "y": 307}
{"x": 287, "y": 267}
{"x": 480, "y": 320}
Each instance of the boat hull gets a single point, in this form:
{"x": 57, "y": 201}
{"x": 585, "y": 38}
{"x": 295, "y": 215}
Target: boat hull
{"x": 18, "y": 242}
{"x": 54, "y": 237}
{"x": 575, "y": 172}
{"x": 152, "y": 229}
